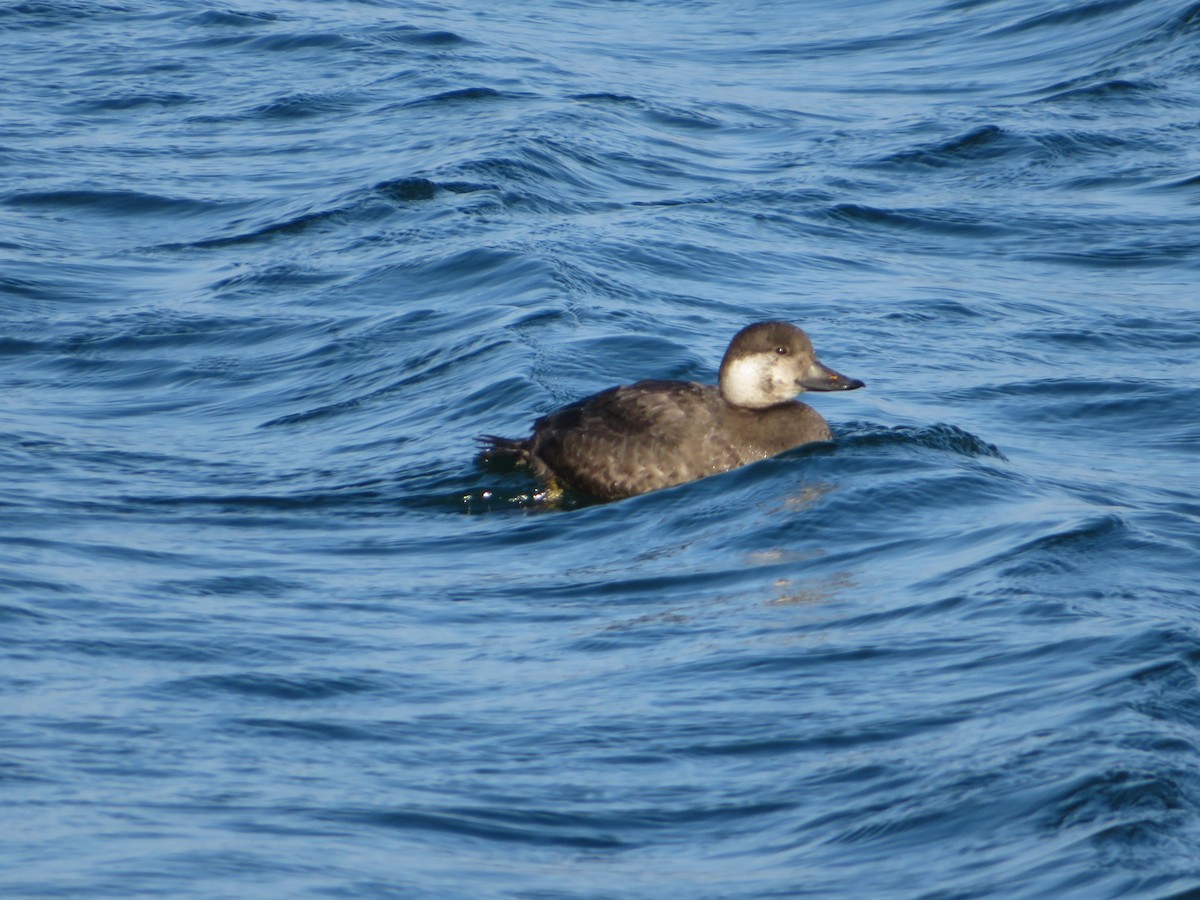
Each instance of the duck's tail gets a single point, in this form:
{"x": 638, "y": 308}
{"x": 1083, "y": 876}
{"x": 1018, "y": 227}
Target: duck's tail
{"x": 496, "y": 449}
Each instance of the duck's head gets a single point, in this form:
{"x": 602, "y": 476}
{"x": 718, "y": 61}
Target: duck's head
{"x": 771, "y": 362}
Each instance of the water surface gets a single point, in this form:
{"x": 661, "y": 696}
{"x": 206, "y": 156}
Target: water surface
{"x": 267, "y": 270}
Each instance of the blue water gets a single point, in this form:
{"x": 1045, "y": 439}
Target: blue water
{"x": 266, "y": 270}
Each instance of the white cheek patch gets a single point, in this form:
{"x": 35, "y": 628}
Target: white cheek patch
{"x": 748, "y": 382}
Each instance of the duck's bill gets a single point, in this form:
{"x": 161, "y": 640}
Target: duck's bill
{"x": 822, "y": 378}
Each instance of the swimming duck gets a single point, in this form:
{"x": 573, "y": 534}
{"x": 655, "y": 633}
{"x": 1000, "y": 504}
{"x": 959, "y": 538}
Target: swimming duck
{"x": 651, "y": 435}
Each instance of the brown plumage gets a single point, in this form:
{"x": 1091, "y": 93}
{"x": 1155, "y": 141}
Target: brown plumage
{"x": 654, "y": 434}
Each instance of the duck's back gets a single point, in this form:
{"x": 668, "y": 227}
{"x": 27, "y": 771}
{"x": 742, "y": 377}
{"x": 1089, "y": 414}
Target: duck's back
{"x": 654, "y": 434}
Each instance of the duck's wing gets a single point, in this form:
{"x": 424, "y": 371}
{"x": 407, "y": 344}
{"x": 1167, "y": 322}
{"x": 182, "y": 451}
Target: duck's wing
{"x": 632, "y": 439}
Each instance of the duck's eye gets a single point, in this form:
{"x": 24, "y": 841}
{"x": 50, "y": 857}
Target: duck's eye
{"x": 782, "y": 351}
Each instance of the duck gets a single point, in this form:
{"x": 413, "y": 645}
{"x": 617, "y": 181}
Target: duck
{"x": 650, "y": 435}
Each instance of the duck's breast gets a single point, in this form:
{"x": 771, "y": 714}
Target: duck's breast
{"x": 758, "y": 434}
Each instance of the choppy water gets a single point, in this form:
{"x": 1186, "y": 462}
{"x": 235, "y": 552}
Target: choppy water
{"x": 265, "y": 272}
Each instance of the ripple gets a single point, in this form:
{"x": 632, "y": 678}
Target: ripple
{"x": 111, "y": 201}
{"x": 273, "y": 686}
{"x": 418, "y": 37}
{"x": 461, "y": 95}
{"x": 932, "y": 221}
{"x": 942, "y": 437}
{"x": 542, "y": 827}
{"x": 1080, "y": 13}
{"x": 1111, "y": 90}
{"x": 984, "y": 142}
{"x": 235, "y": 18}
{"x": 303, "y": 104}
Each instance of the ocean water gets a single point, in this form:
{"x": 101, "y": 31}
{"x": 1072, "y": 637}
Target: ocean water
{"x": 267, "y": 270}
